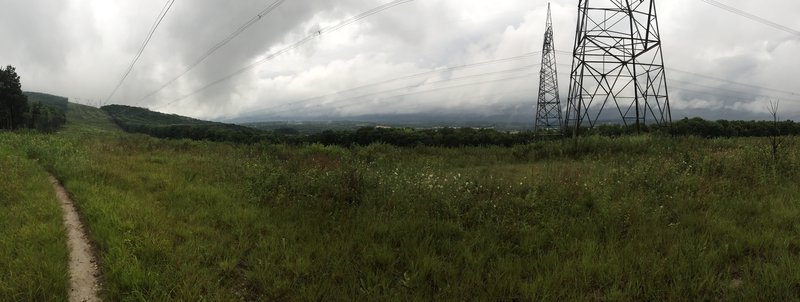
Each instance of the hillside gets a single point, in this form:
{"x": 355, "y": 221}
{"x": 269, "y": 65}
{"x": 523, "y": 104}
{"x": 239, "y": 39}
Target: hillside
{"x": 87, "y": 119}
{"x": 141, "y": 120}
{"x": 49, "y": 100}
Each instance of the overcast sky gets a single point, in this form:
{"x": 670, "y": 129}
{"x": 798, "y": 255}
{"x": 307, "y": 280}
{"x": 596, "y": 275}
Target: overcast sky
{"x": 80, "y": 49}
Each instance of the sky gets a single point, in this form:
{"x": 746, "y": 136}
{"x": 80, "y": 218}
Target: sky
{"x": 81, "y": 48}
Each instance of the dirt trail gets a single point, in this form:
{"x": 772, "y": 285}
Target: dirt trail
{"x": 82, "y": 263}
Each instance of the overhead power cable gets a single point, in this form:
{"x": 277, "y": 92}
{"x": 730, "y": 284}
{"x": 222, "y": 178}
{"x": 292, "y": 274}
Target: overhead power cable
{"x": 793, "y": 93}
{"x": 744, "y": 93}
{"x": 753, "y": 17}
{"x": 727, "y": 96}
{"x": 717, "y": 89}
{"x": 482, "y": 97}
{"x": 217, "y": 46}
{"x": 406, "y": 77}
{"x": 733, "y": 82}
{"x": 356, "y": 100}
{"x": 293, "y": 46}
{"x": 153, "y": 29}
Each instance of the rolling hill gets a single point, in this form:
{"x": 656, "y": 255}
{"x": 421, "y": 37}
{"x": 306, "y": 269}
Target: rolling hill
{"x": 48, "y": 100}
{"x": 141, "y": 120}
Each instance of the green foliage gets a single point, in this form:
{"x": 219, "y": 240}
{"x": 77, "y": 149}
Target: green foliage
{"x": 45, "y": 118}
{"x": 13, "y": 104}
{"x": 405, "y": 137}
{"x": 723, "y": 128}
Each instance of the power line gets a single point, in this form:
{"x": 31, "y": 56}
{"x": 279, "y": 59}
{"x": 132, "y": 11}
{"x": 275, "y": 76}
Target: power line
{"x": 753, "y": 17}
{"x": 717, "y": 79}
{"x": 710, "y": 93}
{"x": 732, "y": 82}
{"x": 297, "y": 44}
{"x": 503, "y": 94}
{"x": 158, "y": 21}
{"x": 717, "y": 89}
{"x": 407, "y": 77}
{"x": 729, "y": 90}
{"x": 351, "y": 100}
{"x": 217, "y": 46}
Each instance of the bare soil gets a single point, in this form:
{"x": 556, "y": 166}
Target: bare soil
{"x": 83, "y": 271}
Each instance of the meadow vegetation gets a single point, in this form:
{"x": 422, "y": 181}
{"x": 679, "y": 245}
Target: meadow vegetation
{"x": 628, "y": 218}
{"x": 33, "y": 249}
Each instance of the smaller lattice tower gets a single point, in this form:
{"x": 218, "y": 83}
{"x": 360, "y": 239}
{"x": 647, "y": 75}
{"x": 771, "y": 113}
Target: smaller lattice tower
{"x": 548, "y": 108}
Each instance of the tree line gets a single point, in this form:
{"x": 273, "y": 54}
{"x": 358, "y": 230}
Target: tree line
{"x": 168, "y": 126}
{"x": 17, "y": 113}
{"x": 453, "y": 137}
{"x": 707, "y": 129}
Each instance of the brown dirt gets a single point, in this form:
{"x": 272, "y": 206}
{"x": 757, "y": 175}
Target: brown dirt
{"x": 83, "y": 271}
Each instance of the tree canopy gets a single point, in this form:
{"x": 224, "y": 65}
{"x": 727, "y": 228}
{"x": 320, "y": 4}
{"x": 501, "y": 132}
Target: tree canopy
{"x": 13, "y": 104}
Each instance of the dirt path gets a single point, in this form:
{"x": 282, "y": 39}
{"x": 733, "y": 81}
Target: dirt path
{"x": 82, "y": 263}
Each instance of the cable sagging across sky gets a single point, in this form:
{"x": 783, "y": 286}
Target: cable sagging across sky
{"x": 291, "y": 47}
{"x": 217, "y": 47}
{"x": 136, "y": 58}
{"x": 406, "y": 77}
{"x": 750, "y": 16}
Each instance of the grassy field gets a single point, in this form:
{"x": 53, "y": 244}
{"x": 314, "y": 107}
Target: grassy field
{"x": 33, "y": 250}
{"x": 632, "y": 218}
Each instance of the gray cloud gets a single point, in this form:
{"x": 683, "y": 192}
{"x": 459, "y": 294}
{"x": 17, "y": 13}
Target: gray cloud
{"x": 79, "y": 48}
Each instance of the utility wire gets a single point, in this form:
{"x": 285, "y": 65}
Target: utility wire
{"x": 718, "y": 89}
{"x": 710, "y": 93}
{"x": 750, "y": 16}
{"x": 407, "y": 77}
{"x": 295, "y": 45}
{"x": 732, "y": 82}
{"x": 728, "y": 90}
{"x": 793, "y": 93}
{"x": 523, "y": 91}
{"x": 355, "y": 100}
{"x": 217, "y": 46}
{"x": 153, "y": 29}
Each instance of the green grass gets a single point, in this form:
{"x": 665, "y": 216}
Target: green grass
{"x": 635, "y": 218}
{"x": 33, "y": 248}
{"x": 631, "y": 218}
{"x": 89, "y": 121}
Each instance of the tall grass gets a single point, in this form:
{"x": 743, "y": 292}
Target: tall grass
{"x": 632, "y": 218}
{"x": 33, "y": 248}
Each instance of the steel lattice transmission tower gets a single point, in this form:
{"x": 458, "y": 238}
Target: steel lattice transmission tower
{"x": 618, "y": 66}
{"x": 548, "y": 108}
